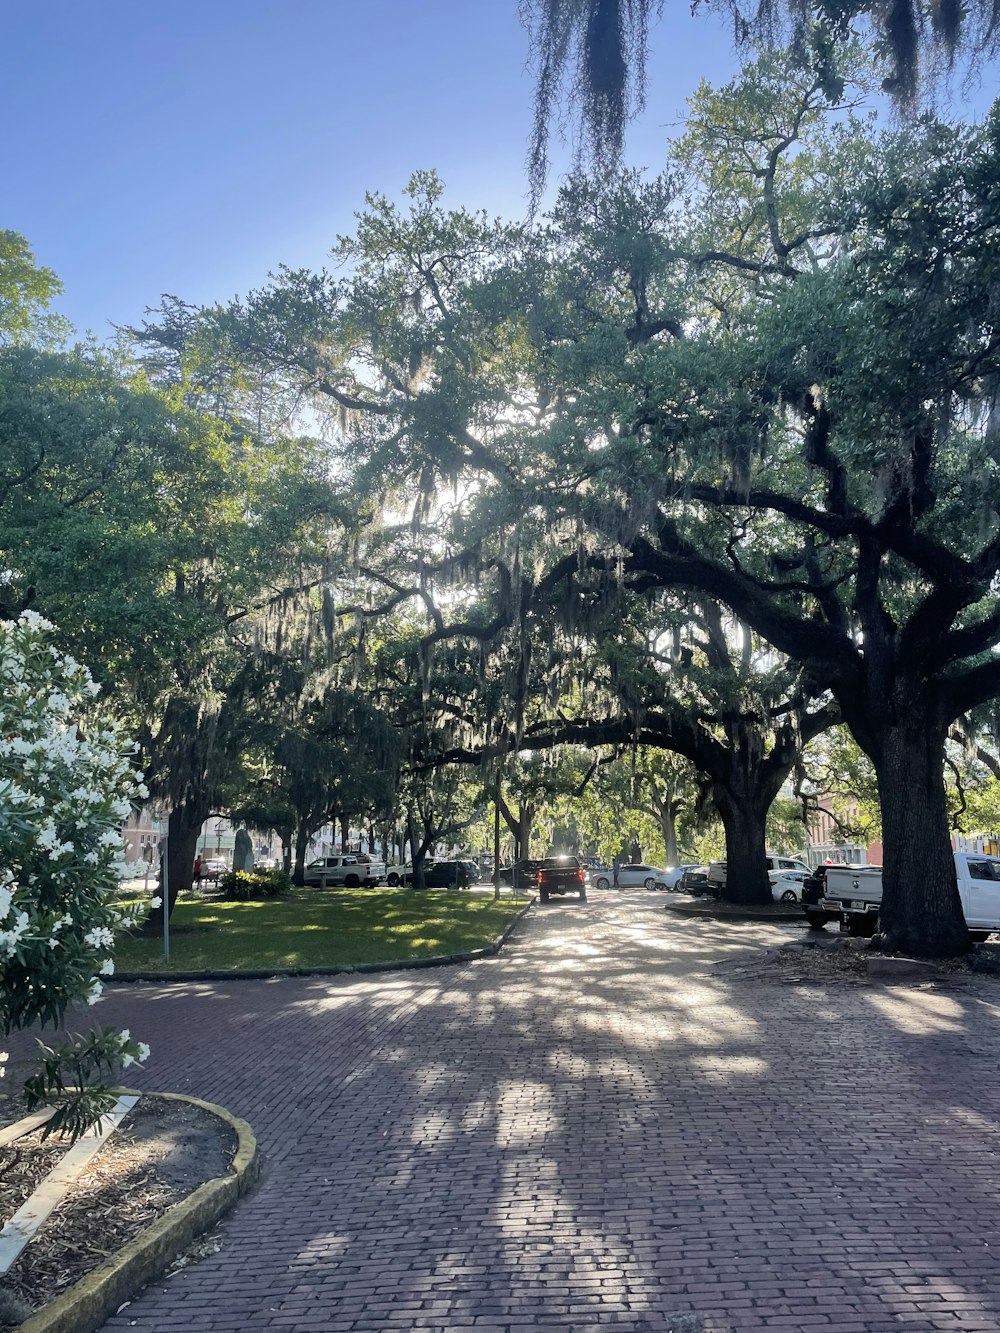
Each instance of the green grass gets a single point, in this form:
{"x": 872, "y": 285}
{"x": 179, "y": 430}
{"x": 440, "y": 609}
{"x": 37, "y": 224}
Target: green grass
{"x": 318, "y": 928}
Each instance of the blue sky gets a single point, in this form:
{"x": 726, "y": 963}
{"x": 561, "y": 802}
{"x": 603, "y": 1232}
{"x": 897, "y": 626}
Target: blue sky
{"x": 190, "y": 147}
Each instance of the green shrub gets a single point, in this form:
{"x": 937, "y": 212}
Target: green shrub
{"x": 242, "y": 886}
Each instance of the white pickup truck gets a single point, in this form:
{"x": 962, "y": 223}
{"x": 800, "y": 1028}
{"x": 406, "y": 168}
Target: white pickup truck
{"x": 854, "y": 893}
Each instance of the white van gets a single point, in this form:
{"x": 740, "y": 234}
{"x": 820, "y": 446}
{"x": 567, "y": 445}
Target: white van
{"x": 855, "y": 894}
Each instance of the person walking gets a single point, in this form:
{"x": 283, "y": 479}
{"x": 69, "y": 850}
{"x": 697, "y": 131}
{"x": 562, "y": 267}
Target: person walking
{"x": 617, "y": 865}
{"x": 196, "y": 877}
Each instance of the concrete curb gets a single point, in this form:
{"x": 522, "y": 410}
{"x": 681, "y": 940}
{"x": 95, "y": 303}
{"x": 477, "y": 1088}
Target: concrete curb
{"x": 348, "y": 969}
{"x": 688, "y": 909}
{"x": 86, "y": 1305}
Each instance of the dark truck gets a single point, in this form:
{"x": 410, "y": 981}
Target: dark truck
{"x": 561, "y": 874}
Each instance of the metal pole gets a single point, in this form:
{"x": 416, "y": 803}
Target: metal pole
{"x": 165, "y": 862}
{"x": 496, "y": 841}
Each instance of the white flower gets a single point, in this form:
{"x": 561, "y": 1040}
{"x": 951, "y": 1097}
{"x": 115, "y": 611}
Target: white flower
{"x": 4, "y": 1057}
{"x": 156, "y": 902}
{"x": 95, "y": 992}
{"x": 107, "y": 968}
{"x": 143, "y": 1055}
{"x": 34, "y": 621}
{"x": 6, "y": 898}
{"x": 125, "y": 1034}
{"x": 99, "y": 938}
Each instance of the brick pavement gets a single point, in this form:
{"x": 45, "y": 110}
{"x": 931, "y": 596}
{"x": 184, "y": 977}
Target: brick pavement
{"x": 601, "y": 1127}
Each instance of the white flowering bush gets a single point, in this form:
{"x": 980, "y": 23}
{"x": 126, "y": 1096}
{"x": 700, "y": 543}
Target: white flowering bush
{"x": 65, "y": 790}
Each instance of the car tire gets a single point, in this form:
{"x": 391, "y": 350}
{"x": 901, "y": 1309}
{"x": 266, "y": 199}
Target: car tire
{"x": 861, "y": 927}
{"x": 789, "y": 896}
{"x": 583, "y": 895}
{"x": 817, "y": 920}
{"x": 352, "y": 882}
{"x": 543, "y": 895}
{"x": 392, "y": 881}
{"x": 979, "y": 936}
{"x": 650, "y": 883}
{"x": 603, "y": 883}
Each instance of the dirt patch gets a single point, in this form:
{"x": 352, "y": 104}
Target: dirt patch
{"x": 833, "y": 958}
{"x": 824, "y": 958}
{"x": 160, "y": 1154}
{"x": 719, "y": 908}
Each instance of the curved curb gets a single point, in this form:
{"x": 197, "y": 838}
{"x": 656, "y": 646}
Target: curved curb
{"x": 348, "y": 969}
{"x": 86, "y": 1305}
{"x": 683, "y": 909}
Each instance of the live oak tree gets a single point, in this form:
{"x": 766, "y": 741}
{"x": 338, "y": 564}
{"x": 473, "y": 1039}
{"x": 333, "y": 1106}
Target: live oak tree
{"x": 767, "y": 377}
{"x": 173, "y": 550}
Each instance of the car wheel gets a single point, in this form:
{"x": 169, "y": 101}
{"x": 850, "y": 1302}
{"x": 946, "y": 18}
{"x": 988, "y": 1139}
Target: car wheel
{"x": 543, "y": 895}
{"x": 392, "y": 881}
{"x": 352, "y": 882}
{"x": 817, "y": 920}
{"x": 650, "y": 883}
{"x": 603, "y": 883}
{"x": 861, "y": 927}
{"x": 789, "y": 896}
{"x": 583, "y": 895}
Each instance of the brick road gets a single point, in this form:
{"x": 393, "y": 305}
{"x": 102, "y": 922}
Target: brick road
{"x": 601, "y": 1127}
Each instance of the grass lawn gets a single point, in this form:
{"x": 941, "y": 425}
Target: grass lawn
{"x": 319, "y": 928}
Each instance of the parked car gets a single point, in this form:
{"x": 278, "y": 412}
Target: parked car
{"x": 813, "y": 894}
{"x": 349, "y": 872}
{"x": 672, "y": 876}
{"x": 561, "y": 874}
{"x": 776, "y": 865}
{"x": 213, "y": 868}
{"x": 787, "y": 887}
{"x": 631, "y": 877}
{"x": 694, "y": 880}
{"x": 402, "y": 872}
{"x": 522, "y": 874}
{"x": 451, "y": 875}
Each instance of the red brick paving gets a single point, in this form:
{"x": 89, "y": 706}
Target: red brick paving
{"x": 599, "y": 1128}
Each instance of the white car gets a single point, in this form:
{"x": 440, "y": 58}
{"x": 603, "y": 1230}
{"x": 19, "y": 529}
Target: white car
{"x": 786, "y": 886}
{"x": 672, "y": 875}
{"x": 630, "y": 877}
{"x": 403, "y": 872}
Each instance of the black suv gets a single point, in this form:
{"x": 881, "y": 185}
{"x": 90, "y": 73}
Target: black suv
{"x": 451, "y": 875}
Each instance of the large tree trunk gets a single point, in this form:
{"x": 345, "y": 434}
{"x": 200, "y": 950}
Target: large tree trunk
{"x": 525, "y": 822}
{"x": 921, "y": 910}
{"x": 301, "y": 844}
{"x": 746, "y": 848}
{"x": 183, "y": 829}
{"x": 668, "y": 827}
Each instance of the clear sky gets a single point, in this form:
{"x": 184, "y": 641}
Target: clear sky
{"x": 189, "y": 146}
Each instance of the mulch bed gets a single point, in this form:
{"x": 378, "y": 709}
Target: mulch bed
{"x": 162, "y": 1151}
{"x": 824, "y": 958}
{"x": 718, "y": 907}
